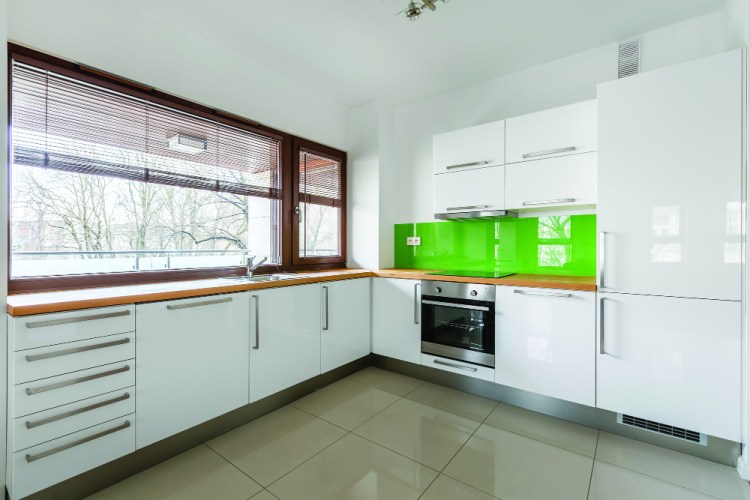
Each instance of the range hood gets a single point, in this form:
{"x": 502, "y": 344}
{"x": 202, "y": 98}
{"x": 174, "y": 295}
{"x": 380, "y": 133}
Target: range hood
{"x": 476, "y": 213}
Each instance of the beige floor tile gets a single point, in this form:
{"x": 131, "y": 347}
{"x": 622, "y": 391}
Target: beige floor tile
{"x": 460, "y": 403}
{"x": 514, "y": 467}
{"x": 551, "y": 430}
{"x": 613, "y": 483}
{"x": 354, "y": 468}
{"x": 346, "y": 403}
{"x": 446, "y": 488}
{"x": 423, "y": 433}
{"x": 388, "y": 381}
{"x": 264, "y": 495}
{"x": 269, "y": 447}
{"x": 196, "y": 474}
{"x": 691, "y": 472}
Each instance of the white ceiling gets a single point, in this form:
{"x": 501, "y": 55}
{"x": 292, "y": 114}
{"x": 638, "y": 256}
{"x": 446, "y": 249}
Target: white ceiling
{"x": 358, "y": 51}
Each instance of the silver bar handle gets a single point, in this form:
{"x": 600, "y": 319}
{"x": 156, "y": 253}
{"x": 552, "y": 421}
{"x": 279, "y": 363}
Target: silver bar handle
{"x": 256, "y": 298}
{"x": 325, "y": 292}
{"x": 548, "y": 202}
{"x": 36, "y": 423}
{"x": 30, "y": 391}
{"x": 453, "y": 365}
{"x": 600, "y": 280}
{"x": 173, "y": 307}
{"x": 549, "y": 152}
{"x": 471, "y": 164}
{"x": 33, "y": 458}
{"x": 545, "y": 294}
{"x": 601, "y": 326}
{"x": 417, "y": 296}
{"x": 75, "y": 350}
{"x": 77, "y": 319}
{"x": 468, "y": 207}
{"x": 457, "y": 306}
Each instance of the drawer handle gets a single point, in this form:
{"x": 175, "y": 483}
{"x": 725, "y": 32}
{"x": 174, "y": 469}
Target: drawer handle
{"x": 472, "y": 164}
{"x": 75, "y": 350}
{"x": 199, "y": 304}
{"x": 545, "y": 294}
{"x": 60, "y": 416}
{"x": 77, "y": 319}
{"x": 548, "y": 202}
{"x": 549, "y": 152}
{"x": 59, "y": 385}
{"x": 468, "y": 207}
{"x": 32, "y": 458}
{"x": 453, "y": 365}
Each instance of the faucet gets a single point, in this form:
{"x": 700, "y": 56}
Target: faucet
{"x": 252, "y": 267}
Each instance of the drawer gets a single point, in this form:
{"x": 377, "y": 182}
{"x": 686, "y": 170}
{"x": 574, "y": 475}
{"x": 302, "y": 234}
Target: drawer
{"x": 57, "y": 328}
{"x": 51, "y": 424}
{"x": 43, "y": 362}
{"x": 50, "y": 463}
{"x": 451, "y": 365}
{"x": 33, "y": 397}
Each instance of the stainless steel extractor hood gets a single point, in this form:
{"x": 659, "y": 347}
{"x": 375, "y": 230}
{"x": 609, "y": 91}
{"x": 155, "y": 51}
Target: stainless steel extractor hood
{"x": 475, "y": 213}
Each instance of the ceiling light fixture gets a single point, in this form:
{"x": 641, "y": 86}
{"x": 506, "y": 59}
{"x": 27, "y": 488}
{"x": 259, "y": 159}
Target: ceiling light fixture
{"x": 187, "y": 144}
{"x": 413, "y": 11}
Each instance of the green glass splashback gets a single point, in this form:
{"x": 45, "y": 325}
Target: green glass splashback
{"x": 561, "y": 245}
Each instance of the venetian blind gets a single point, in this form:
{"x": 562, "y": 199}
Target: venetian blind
{"x": 319, "y": 179}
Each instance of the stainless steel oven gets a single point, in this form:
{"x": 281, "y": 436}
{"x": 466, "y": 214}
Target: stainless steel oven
{"x": 458, "y": 321}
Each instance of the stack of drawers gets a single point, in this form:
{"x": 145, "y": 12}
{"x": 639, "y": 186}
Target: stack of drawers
{"x": 71, "y": 401}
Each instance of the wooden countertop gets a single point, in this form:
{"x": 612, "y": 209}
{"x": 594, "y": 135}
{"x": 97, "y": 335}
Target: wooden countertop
{"x": 69, "y": 300}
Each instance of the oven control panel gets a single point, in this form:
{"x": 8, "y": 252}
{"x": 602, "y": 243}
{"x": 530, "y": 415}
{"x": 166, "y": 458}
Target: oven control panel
{"x": 470, "y": 291}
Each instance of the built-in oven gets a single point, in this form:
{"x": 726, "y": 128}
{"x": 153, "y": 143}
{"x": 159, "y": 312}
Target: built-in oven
{"x": 458, "y": 321}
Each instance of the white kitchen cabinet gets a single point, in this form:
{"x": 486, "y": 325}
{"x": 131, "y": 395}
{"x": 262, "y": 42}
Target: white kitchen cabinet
{"x": 671, "y": 360}
{"x": 545, "y": 342}
{"x": 345, "y": 326}
{"x": 564, "y": 181}
{"x": 396, "y": 329}
{"x": 566, "y": 130}
{"x": 670, "y": 180}
{"x": 285, "y": 335}
{"x": 470, "y": 190}
{"x": 472, "y": 147}
{"x": 191, "y": 362}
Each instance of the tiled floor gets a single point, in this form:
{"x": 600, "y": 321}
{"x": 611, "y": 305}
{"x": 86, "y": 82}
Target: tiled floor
{"x": 379, "y": 434}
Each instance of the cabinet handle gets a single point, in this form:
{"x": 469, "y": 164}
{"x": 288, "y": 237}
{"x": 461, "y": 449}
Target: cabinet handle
{"x": 454, "y": 305}
{"x": 77, "y": 319}
{"x": 601, "y": 326}
{"x": 172, "y": 307}
{"x": 36, "y": 423}
{"x": 417, "y": 290}
{"x": 75, "y": 350}
{"x": 468, "y": 207}
{"x": 471, "y": 164}
{"x": 257, "y": 322}
{"x": 602, "y": 239}
{"x": 325, "y": 290}
{"x": 548, "y": 202}
{"x": 545, "y": 294}
{"x": 453, "y": 365}
{"x": 549, "y": 152}
{"x": 32, "y": 458}
{"x": 30, "y": 391}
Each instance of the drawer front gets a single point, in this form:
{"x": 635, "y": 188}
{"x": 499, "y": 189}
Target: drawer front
{"x": 50, "y": 463}
{"x": 33, "y": 397}
{"x": 57, "y": 328}
{"x": 451, "y": 365}
{"x": 49, "y": 361}
{"x": 51, "y": 424}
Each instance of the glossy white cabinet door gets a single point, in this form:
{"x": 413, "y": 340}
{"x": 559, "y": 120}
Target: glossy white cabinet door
{"x": 396, "y": 329}
{"x": 191, "y": 362}
{"x": 564, "y": 181}
{"x": 672, "y": 360}
{"x": 545, "y": 341}
{"x": 482, "y": 145}
{"x": 345, "y": 328}
{"x": 553, "y": 132}
{"x": 670, "y": 180}
{"x": 287, "y": 351}
{"x": 470, "y": 190}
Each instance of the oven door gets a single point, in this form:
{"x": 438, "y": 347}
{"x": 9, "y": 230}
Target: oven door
{"x": 459, "y": 329}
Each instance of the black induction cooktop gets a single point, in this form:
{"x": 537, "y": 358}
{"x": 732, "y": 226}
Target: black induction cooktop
{"x": 473, "y": 274}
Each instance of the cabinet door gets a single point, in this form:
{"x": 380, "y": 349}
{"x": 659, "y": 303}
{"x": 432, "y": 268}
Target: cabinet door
{"x": 553, "y": 132}
{"x": 191, "y": 362}
{"x": 545, "y": 342}
{"x": 671, "y": 360}
{"x": 345, "y": 331}
{"x": 670, "y": 180}
{"x": 551, "y": 183}
{"x": 482, "y": 188}
{"x": 396, "y": 329}
{"x": 286, "y": 343}
{"x": 480, "y": 146}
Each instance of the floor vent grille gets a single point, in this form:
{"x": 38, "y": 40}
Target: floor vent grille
{"x": 658, "y": 427}
{"x": 629, "y": 58}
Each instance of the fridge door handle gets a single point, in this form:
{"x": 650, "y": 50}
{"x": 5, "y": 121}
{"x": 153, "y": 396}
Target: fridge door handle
{"x": 600, "y": 274}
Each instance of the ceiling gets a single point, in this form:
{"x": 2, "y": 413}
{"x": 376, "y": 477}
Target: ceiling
{"x": 359, "y": 51}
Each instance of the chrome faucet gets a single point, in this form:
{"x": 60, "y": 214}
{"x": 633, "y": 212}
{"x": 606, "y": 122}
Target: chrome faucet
{"x": 252, "y": 267}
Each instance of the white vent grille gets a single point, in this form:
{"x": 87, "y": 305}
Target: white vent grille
{"x": 658, "y": 427}
{"x": 629, "y": 58}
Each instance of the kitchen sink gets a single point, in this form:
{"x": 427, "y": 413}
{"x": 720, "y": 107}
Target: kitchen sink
{"x": 261, "y": 278}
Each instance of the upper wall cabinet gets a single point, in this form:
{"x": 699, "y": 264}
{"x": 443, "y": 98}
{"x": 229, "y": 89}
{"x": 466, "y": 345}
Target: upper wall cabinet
{"x": 480, "y": 146}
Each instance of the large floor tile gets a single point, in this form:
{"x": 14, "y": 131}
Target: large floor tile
{"x": 447, "y": 488}
{"x": 514, "y": 467}
{"x": 346, "y": 403}
{"x": 555, "y": 431}
{"x": 691, "y": 472}
{"x": 423, "y": 433}
{"x": 269, "y": 447}
{"x": 354, "y": 468}
{"x": 613, "y": 483}
{"x": 388, "y": 381}
{"x": 196, "y": 474}
{"x": 264, "y": 495}
{"x": 460, "y": 403}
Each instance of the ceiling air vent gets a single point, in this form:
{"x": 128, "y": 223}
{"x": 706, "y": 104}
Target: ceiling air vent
{"x": 658, "y": 427}
{"x": 629, "y": 58}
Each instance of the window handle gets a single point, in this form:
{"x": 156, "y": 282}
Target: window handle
{"x": 298, "y": 211}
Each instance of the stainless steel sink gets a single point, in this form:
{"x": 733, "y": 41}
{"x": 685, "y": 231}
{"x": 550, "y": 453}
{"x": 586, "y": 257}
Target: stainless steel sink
{"x": 265, "y": 277}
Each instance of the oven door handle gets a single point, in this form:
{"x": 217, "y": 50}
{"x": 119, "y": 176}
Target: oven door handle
{"x": 457, "y": 306}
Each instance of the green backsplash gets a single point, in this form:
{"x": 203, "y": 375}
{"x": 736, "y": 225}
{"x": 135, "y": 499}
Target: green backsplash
{"x": 562, "y": 245}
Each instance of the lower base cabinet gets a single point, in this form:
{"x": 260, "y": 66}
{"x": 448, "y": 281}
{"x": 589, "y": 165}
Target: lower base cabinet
{"x": 396, "y": 329}
{"x": 345, "y": 326}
